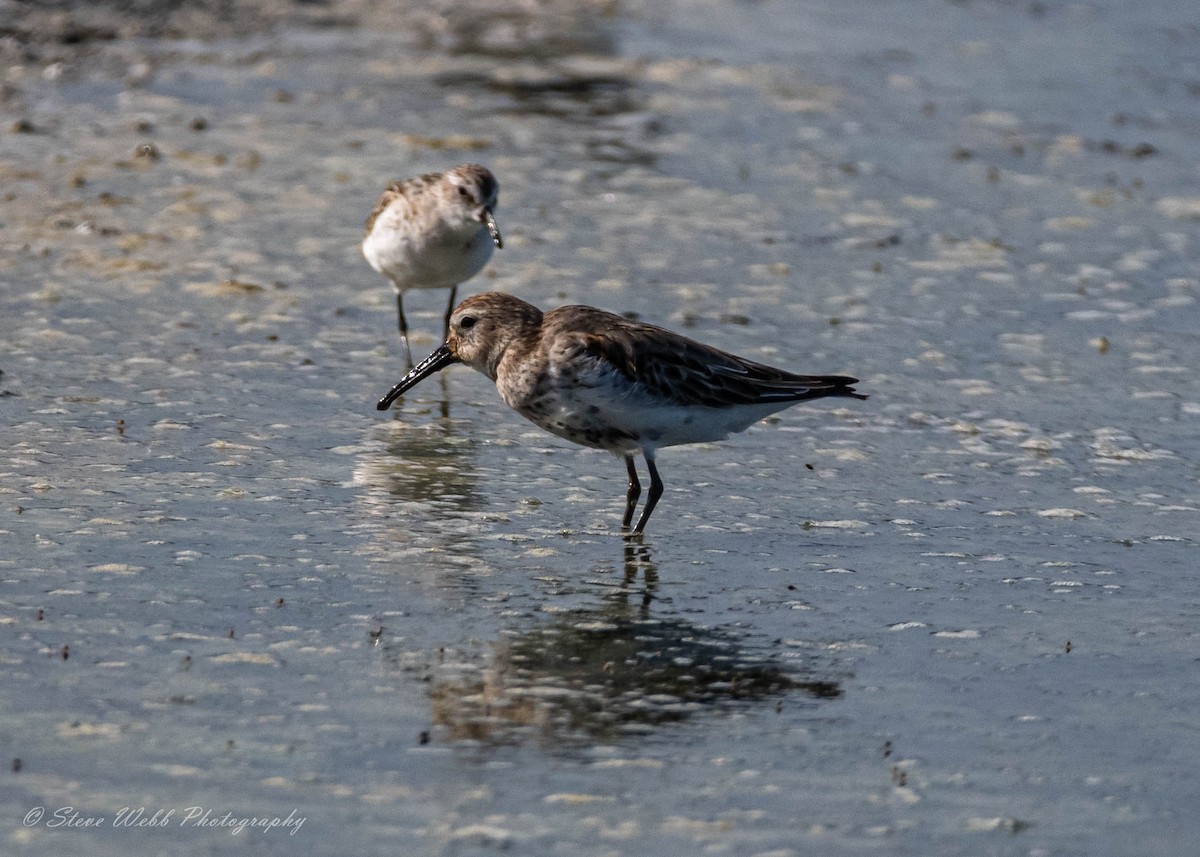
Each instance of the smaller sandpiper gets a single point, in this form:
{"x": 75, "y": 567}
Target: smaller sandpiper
{"x": 433, "y": 231}
{"x": 601, "y": 380}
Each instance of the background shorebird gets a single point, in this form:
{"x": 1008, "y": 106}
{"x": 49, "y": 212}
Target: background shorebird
{"x": 433, "y": 231}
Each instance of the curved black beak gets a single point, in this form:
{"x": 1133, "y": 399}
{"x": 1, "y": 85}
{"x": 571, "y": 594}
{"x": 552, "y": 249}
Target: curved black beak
{"x": 490, "y": 222}
{"x": 435, "y": 362}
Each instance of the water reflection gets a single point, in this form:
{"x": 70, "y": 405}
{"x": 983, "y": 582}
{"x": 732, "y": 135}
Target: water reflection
{"x": 422, "y": 501}
{"x": 521, "y": 30}
{"x": 562, "y": 93}
{"x": 431, "y": 461}
{"x": 619, "y": 668}
{"x": 559, "y": 60}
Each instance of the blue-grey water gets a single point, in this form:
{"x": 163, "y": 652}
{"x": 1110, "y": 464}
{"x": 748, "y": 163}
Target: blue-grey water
{"x": 959, "y": 618}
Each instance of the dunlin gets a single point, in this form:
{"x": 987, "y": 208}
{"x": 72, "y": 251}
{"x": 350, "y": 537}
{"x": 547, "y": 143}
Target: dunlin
{"x": 603, "y": 381}
{"x": 433, "y": 232}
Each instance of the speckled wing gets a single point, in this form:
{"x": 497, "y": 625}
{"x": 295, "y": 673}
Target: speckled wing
{"x": 673, "y": 368}
{"x": 397, "y": 189}
{"x": 391, "y": 192}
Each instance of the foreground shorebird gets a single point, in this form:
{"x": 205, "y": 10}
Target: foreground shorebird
{"x": 603, "y": 381}
{"x": 433, "y": 232}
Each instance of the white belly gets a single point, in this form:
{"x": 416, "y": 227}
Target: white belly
{"x": 430, "y": 260}
{"x": 622, "y": 420}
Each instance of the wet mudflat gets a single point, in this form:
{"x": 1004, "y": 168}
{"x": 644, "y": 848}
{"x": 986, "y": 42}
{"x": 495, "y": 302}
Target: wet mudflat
{"x": 958, "y": 618}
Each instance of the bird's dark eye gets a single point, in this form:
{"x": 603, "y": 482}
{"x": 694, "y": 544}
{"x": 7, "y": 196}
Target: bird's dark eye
{"x": 463, "y": 192}
{"x": 467, "y": 322}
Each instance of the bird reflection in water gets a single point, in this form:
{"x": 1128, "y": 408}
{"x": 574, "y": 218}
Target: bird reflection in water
{"x": 608, "y": 672}
{"x": 422, "y": 470}
{"x": 637, "y": 559}
{"x": 425, "y": 463}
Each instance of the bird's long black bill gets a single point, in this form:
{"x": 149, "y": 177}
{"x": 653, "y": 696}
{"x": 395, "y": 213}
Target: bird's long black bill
{"x": 435, "y": 362}
{"x": 490, "y": 222}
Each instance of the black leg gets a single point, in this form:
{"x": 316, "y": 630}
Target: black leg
{"x": 656, "y": 489}
{"x": 449, "y": 312}
{"x": 403, "y": 328}
{"x": 631, "y": 495}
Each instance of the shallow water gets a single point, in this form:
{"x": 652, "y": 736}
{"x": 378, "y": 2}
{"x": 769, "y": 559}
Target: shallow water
{"x": 968, "y": 628}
